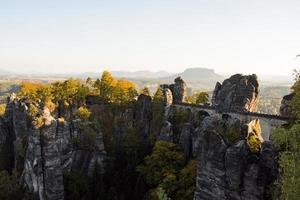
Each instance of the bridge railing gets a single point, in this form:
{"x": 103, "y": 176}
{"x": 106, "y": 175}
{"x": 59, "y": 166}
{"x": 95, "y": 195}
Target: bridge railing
{"x": 255, "y": 114}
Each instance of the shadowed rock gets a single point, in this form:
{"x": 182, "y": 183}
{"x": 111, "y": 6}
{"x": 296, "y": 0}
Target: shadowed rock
{"x": 285, "y": 109}
{"x": 227, "y": 169}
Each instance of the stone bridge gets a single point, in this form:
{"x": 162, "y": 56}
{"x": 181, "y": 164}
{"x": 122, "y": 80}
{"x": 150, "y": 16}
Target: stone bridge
{"x": 267, "y": 122}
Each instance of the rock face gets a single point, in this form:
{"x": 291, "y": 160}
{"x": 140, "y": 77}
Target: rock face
{"x": 178, "y": 89}
{"x": 284, "y": 107}
{"x": 166, "y": 132}
{"x": 43, "y": 172}
{"x": 50, "y": 150}
{"x": 185, "y": 141}
{"x": 238, "y": 93}
{"x": 227, "y": 169}
{"x": 143, "y": 116}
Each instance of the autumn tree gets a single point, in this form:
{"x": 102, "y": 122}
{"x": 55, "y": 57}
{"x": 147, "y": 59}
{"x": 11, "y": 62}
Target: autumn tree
{"x": 29, "y": 90}
{"x": 106, "y": 86}
{"x": 124, "y": 92}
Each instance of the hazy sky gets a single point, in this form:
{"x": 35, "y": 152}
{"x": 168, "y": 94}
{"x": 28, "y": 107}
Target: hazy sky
{"x": 248, "y": 36}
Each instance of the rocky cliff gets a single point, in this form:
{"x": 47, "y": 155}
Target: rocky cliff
{"x": 43, "y": 151}
{"x": 285, "y": 109}
{"x": 237, "y": 93}
{"x": 229, "y": 164}
{"x": 233, "y": 160}
{"x": 178, "y": 89}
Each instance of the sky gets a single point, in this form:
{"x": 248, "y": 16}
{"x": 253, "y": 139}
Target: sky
{"x": 230, "y": 36}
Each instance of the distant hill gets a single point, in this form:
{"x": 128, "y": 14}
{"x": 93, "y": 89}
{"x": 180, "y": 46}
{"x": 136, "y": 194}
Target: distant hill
{"x": 196, "y": 78}
{"x": 141, "y": 74}
{"x": 203, "y": 79}
{"x": 5, "y": 72}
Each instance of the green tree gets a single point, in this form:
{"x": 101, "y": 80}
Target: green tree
{"x": 9, "y": 187}
{"x": 186, "y": 182}
{"x": 295, "y": 104}
{"x": 288, "y": 142}
{"x": 165, "y": 159}
{"x": 202, "y": 98}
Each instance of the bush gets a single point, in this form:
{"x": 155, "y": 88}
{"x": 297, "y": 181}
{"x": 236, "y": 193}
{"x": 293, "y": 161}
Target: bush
{"x": 9, "y": 187}
{"x": 83, "y": 113}
{"x": 287, "y": 141}
{"x": 2, "y": 109}
{"x": 165, "y": 159}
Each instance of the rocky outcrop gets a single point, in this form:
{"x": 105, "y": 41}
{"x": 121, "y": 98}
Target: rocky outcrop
{"x": 178, "y": 89}
{"x": 237, "y": 93}
{"x": 285, "y": 109}
{"x": 166, "y": 132}
{"x": 185, "y": 141}
{"x": 168, "y": 98}
{"x": 43, "y": 148}
{"x": 143, "y": 116}
{"x": 43, "y": 172}
{"x": 227, "y": 168}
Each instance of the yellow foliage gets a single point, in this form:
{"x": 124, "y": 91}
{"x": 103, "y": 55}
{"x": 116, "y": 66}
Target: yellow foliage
{"x": 50, "y": 105}
{"x": 83, "y": 113}
{"x": 61, "y": 120}
{"x": 29, "y": 90}
{"x": 254, "y": 138}
{"x": 254, "y": 143}
{"x": 2, "y": 109}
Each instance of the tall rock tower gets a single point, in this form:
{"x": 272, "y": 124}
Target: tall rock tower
{"x": 237, "y": 93}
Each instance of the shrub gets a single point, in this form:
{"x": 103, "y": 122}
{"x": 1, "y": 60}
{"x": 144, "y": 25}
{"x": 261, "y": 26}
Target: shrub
{"x": 83, "y": 113}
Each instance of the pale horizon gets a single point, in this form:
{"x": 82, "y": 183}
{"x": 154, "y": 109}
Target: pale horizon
{"x": 261, "y": 37}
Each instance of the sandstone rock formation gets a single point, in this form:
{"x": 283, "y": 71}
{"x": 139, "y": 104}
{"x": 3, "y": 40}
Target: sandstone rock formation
{"x": 143, "y": 116}
{"x": 237, "y": 93}
{"x": 185, "y": 141}
{"x": 49, "y": 149}
{"x": 178, "y": 89}
{"x": 166, "y": 132}
{"x": 285, "y": 109}
{"x": 227, "y": 168}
